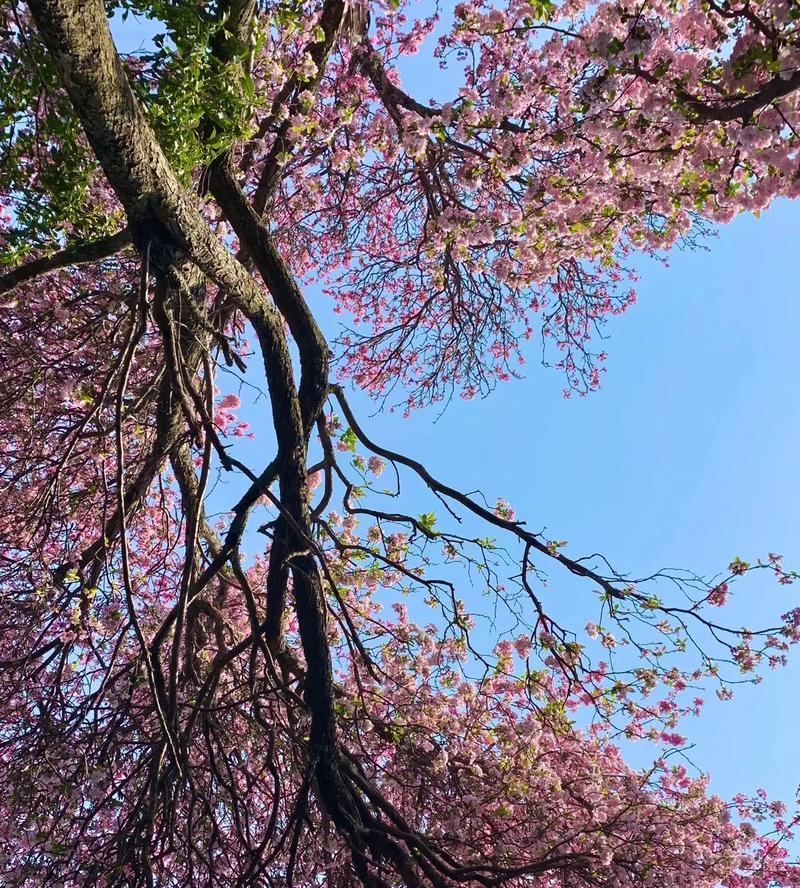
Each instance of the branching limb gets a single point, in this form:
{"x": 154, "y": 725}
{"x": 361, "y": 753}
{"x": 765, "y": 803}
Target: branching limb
{"x": 75, "y": 254}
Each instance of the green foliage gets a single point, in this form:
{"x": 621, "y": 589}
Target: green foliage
{"x": 349, "y": 440}
{"x": 197, "y": 104}
{"x": 427, "y": 522}
{"x": 45, "y": 163}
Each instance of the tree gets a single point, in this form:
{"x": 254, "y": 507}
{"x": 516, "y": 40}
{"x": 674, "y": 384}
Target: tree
{"x": 174, "y": 713}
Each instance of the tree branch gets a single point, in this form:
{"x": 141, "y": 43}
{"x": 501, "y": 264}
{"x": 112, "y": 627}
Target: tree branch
{"x": 742, "y": 109}
{"x": 74, "y": 254}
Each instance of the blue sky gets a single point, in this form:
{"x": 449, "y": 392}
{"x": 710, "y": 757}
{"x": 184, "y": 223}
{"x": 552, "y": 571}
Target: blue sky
{"x": 686, "y": 457}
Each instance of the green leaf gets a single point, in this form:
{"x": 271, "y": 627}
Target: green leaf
{"x": 349, "y": 440}
{"x": 427, "y": 521}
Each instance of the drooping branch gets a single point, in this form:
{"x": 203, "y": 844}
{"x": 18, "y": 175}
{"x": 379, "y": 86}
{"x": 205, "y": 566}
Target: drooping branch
{"x": 75, "y": 254}
{"x": 534, "y": 540}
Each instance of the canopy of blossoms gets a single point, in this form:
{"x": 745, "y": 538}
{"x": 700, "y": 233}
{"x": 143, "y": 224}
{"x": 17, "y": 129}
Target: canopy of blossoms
{"x": 328, "y": 711}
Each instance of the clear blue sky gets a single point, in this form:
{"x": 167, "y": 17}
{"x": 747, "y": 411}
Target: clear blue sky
{"x": 686, "y": 457}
